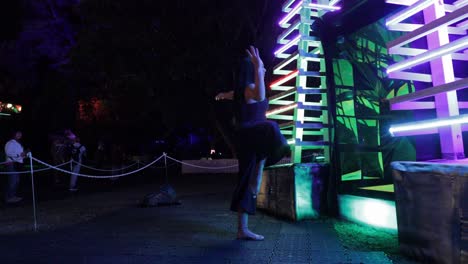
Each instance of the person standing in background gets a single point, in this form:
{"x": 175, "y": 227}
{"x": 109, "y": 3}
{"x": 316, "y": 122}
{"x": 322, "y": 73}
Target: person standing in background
{"x": 100, "y": 155}
{"x": 15, "y": 154}
{"x": 78, "y": 152}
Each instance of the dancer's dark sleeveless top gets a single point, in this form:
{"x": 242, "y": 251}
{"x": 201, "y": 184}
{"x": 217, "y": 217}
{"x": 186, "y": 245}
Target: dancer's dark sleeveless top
{"x": 257, "y": 138}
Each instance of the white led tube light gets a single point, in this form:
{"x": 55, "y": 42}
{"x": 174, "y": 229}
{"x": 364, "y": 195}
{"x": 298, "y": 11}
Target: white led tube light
{"x": 407, "y": 12}
{"x": 426, "y": 124}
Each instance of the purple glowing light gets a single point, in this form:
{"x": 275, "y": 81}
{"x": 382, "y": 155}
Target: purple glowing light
{"x": 454, "y": 46}
{"x": 401, "y": 2}
{"x": 298, "y": 7}
{"x": 324, "y": 7}
{"x": 404, "y": 14}
{"x": 334, "y": 2}
{"x": 417, "y": 31}
{"x": 291, "y": 13}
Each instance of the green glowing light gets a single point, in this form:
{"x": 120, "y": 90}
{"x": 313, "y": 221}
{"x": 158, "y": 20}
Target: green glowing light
{"x": 281, "y": 117}
{"x": 373, "y": 212}
{"x": 351, "y": 176}
{"x": 404, "y": 89}
{"x": 304, "y": 192}
{"x": 381, "y": 188}
{"x": 355, "y": 176}
{"x": 372, "y": 105}
{"x": 345, "y": 73}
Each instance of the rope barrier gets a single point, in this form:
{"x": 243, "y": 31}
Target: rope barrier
{"x": 43, "y": 169}
{"x": 202, "y": 167}
{"x": 57, "y": 167}
{"x": 100, "y": 177}
{"x": 158, "y": 167}
{"x": 48, "y": 166}
{"x": 96, "y": 169}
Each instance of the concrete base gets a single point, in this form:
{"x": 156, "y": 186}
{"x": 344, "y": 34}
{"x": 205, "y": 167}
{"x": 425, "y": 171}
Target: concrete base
{"x": 432, "y": 210}
{"x": 294, "y": 191}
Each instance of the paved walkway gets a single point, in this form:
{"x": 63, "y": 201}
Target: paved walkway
{"x": 199, "y": 230}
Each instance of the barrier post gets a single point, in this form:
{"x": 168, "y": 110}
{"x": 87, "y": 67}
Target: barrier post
{"x": 165, "y": 166}
{"x": 33, "y": 190}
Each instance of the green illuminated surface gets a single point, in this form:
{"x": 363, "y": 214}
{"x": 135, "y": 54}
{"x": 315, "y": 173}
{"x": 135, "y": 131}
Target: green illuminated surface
{"x": 343, "y": 73}
{"x": 304, "y": 192}
{"x": 356, "y": 175}
{"x": 369, "y": 211}
{"x": 351, "y": 176}
{"x": 357, "y": 236}
{"x": 381, "y": 188}
{"x": 361, "y": 87}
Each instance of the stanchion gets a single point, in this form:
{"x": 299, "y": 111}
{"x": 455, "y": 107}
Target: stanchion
{"x": 165, "y": 166}
{"x": 33, "y": 190}
{"x": 166, "y": 195}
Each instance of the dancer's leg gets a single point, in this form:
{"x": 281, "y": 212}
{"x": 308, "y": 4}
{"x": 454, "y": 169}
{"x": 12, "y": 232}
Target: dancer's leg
{"x": 256, "y": 181}
{"x": 243, "y": 231}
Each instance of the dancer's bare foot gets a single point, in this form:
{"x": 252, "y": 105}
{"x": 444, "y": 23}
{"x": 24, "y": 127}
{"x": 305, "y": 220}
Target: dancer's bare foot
{"x": 249, "y": 235}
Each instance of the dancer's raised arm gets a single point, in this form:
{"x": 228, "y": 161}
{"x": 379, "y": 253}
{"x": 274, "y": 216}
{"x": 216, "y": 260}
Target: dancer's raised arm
{"x": 255, "y": 92}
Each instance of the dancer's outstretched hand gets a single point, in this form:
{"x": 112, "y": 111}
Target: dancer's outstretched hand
{"x": 254, "y": 56}
{"x": 219, "y": 96}
{"x": 225, "y": 96}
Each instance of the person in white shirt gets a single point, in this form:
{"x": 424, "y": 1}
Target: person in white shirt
{"x": 15, "y": 154}
{"x": 78, "y": 152}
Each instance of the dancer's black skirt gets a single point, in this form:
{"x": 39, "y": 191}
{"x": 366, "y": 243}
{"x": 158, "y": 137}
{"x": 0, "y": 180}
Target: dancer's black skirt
{"x": 255, "y": 141}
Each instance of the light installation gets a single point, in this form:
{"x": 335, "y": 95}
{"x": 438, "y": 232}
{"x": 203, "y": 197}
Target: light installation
{"x": 7, "y": 109}
{"x": 299, "y": 102}
{"x": 444, "y": 31}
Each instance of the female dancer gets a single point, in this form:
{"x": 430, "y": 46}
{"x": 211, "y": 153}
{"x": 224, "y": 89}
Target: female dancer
{"x": 259, "y": 141}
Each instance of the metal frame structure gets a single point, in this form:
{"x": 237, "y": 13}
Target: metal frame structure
{"x": 445, "y": 31}
{"x": 299, "y": 101}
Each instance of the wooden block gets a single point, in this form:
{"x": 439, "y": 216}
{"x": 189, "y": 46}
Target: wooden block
{"x": 278, "y": 191}
{"x": 431, "y": 202}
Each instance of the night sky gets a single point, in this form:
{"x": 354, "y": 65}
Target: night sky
{"x": 134, "y": 70}
{"x": 144, "y": 68}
